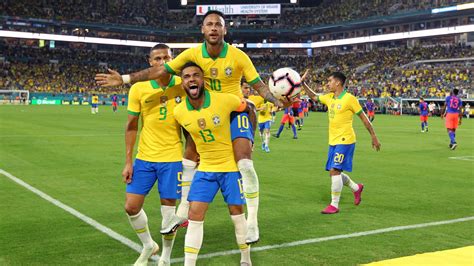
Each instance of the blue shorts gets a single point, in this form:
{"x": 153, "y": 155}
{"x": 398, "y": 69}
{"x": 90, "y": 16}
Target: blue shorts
{"x": 94, "y": 105}
{"x": 240, "y": 126}
{"x": 340, "y": 157}
{"x": 206, "y": 184}
{"x": 264, "y": 125}
{"x": 146, "y": 173}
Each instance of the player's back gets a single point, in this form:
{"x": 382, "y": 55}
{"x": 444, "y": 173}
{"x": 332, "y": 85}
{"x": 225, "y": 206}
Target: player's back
{"x": 453, "y": 104}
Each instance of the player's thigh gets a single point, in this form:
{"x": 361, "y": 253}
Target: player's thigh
{"x": 204, "y": 187}
{"x": 242, "y": 149}
{"x": 133, "y": 203}
{"x": 169, "y": 179}
{"x": 143, "y": 177}
{"x": 340, "y": 157}
{"x": 285, "y": 119}
{"x": 240, "y": 126}
{"x": 232, "y": 188}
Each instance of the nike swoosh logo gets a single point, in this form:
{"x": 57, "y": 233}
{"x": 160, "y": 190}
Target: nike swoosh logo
{"x": 178, "y": 191}
{"x": 187, "y": 124}
{"x": 148, "y": 101}
{"x": 242, "y": 131}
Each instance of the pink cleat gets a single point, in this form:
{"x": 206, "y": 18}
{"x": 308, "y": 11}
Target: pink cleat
{"x": 358, "y": 194}
{"x": 330, "y": 210}
{"x": 184, "y": 224}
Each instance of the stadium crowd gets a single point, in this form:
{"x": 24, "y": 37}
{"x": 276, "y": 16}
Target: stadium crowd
{"x": 378, "y": 73}
{"x": 155, "y": 13}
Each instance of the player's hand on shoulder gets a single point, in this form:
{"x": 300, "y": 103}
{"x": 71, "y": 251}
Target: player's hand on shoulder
{"x": 108, "y": 80}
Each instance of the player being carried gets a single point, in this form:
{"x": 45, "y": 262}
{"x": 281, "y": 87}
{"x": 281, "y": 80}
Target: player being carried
{"x": 206, "y": 116}
{"x": 341, "y": 107}
{"x": 224, "y": 66}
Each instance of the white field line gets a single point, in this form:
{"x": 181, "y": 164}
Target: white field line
{"x": 137, "y": 247}
{"x": 102, "y": 228}
{"x": 463, "y": 158}
{"x": 329, "y": 238}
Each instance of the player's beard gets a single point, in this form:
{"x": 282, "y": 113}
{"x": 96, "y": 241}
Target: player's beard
{"x": 198, "y": 96}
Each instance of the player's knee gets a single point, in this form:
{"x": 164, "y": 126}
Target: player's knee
{"x": 195, "y": 215}
{"x": 236, "y": 209}
{"x": 334, "y": 172}
{"x": 131, "y": 209}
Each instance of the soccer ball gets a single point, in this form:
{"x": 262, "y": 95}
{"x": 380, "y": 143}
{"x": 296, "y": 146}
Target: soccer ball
{"x": 285, "y": 83}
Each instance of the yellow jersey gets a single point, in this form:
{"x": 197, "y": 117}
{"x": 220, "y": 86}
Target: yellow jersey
{"x": 256, "y": 100}
{"x": 265, "y": 115}
{"x": 209, "y": 127}
{"x": 160, "y": 136}
{"x": 340, "y": 112}
{"x": 221, "y": 74}
{"x": 95, "y": 99}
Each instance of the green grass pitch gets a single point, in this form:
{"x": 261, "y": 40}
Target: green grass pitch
{"x": 77, "y": 158}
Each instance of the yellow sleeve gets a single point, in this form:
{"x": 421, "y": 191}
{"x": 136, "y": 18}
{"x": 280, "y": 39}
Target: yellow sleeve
{"x": 355, "y": 105}
{"x": 134, "y": 107}
{"x": 174, "y": 66}
{"x": 250, "y": 73}
{"x": 234, "y": 102}
{"x": 323, "y": 98}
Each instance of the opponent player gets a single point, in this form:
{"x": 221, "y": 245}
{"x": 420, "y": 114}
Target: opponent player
{"x": 114, "y": 102}
{"x": 296, "y": 108}
{"x": 370, "y": 106}
{"x": 453, "y": 114}
{"x": 341, "y": 108}
{"x": 287, "y": 117}
{"x": 206, "y": 116}
{"x": 305, "y": 107}
{"x": 423, "y": 108}
{"x": 159, "y": 153}
{"x": 224, "y": 66}
{"x": 95, "y": 104}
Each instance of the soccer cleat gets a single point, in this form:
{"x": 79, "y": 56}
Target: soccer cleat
{"x": 173, "y": 225}
{"x": 295, "y": 137}
{"x": 252, "y": 235}
{"x": 422, "y": 131}
{"x": 358, "y": 194}
{"x": 453, "y": 146}
{"x": 276, "y": 135}
{"x": 330, "y": 210}
{"x": 426, "y": 129}
{"x": 263, "y": 146}
{"x": 450, "y": 145}
{"x": 146, "y": 254}
{"x": 267, "y": 149}
{"x": 245, "y": 264}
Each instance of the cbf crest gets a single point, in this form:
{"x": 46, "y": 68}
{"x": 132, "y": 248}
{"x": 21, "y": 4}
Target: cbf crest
{"x": 202, "y": 123}
{"x": 228, "y": 71}
{"x": 177, "y": 99}
{"x": 163, "y": 100}
{"x": 214, "y": 72}
{"x": 339, "y": 107}
{"x": 216, "y": 120}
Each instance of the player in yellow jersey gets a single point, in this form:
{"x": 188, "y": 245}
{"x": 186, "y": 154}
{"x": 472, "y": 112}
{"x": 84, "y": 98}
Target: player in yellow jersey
{"x": 94, "y": 104}
{"x": 206, "y": 116}
{"x": 264, "y": 123}
{"x": 159, "y": 153}
{"x": 224, "y": 66}
{"x": 341, "y": 108}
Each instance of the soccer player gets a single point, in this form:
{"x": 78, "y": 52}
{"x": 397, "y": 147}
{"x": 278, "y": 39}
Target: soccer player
{"x": 296, "y": 107}
{"x": 224, "y": 66}
{"x": 159, "y": 153}
{"x": 305, "y": 106}
{"x": 95, "y": 104}
{"x": 341, "y": 108}
{"x": 206, "y": 116}
{"x": 287, "y": 117}
{"x": 114, "y": 102}
{"x": 423, "y": 107}
{"x": 370, "y": 106}
{"x": 453, "y": 114}
{"x": 467, "y": 110}
{"x": 264, "y": 123}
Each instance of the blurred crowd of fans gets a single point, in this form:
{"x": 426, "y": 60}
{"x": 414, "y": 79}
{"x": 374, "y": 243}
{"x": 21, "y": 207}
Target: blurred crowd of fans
{"x": 154, "y": 13}
{"x": 378, "y": 73}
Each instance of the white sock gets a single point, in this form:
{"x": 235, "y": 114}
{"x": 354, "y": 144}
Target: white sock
{"x": 348, "y": 182}
{"x": 139, "y": 222}
{"x": 251, "y": 189}
{"x": 267, "y": 138}
{"x": 167, "y": 212}
{"x": 189, "y": 168}
{"x": 336, "y": 188}
{"x": 240, "y": 225}
{"x": 193, "y": 242}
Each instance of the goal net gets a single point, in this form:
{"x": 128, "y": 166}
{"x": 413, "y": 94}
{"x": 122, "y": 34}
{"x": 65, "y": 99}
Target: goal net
{"x": 14, "y": 97}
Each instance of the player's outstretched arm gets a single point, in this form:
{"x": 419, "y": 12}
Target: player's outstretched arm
{"x": 375, "y": 141}
{"x": 115, "y": 79}
{"x": 263, "y": 90}
{"x": 310, "y": 92}
{"x": 131, "y": 130}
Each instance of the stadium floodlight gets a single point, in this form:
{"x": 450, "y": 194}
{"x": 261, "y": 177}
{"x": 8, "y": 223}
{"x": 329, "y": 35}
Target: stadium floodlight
{"x": 184, "y": 2}
{"x": 293, "y": 1}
